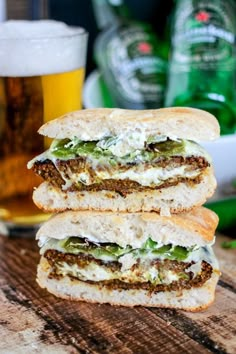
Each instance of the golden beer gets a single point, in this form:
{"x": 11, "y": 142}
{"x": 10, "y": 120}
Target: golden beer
{"x": 29, "y": 99}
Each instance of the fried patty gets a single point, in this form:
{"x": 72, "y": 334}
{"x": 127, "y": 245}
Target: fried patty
{"x": 49, "y": 172}
{"x": 188, "y": 281}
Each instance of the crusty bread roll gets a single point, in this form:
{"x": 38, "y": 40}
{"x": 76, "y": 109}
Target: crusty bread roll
{"x": 194, "y": 231}
{"x": 174, "y": 199}
{"x": 186, "y": 229}
{"x": 194, "y": 299}
{"x": 95, "y": 124}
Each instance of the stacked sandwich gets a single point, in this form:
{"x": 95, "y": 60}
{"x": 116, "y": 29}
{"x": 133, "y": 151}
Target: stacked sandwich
{"x": 126, "y": 189}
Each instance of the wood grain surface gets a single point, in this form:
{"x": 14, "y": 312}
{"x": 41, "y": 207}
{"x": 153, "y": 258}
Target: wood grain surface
{"x": 33, "y": 321}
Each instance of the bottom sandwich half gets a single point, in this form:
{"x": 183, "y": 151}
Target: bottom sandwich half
{"x": 130, "y": 259}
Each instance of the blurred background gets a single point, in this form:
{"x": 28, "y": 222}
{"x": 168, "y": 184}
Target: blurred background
{"x": 81, "y": 13}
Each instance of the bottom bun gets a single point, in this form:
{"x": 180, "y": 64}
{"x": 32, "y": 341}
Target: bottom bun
{"x": 194, "y": 299}
{"x": 174, "y": 199}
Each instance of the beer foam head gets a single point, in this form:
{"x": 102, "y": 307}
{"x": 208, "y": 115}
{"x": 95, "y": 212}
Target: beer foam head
{"x": 32, "y": 48}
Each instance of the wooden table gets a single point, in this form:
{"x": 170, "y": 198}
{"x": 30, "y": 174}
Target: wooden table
{"x": 33, "y": 321}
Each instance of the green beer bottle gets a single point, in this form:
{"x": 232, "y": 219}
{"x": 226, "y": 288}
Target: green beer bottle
{"x": 129, "y": 57}
{"x": 202, "y": 70}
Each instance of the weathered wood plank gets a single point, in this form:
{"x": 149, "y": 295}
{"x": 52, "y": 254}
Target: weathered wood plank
{"x": 32, "y": 320}
{"x": 227, "y": 261}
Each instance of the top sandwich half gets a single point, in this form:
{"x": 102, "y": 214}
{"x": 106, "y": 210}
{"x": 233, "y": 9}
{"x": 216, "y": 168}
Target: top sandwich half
{"x": 126, "y": 160}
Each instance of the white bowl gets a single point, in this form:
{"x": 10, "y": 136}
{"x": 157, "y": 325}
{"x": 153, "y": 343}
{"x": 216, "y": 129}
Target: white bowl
{"x": 92, "y": 95}
{"x": 223, "y": 152}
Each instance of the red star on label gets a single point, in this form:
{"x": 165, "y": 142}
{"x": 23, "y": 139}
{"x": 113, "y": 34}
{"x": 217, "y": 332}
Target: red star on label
{"x": 202, "y": 16}
{"x": 144, "y": 47}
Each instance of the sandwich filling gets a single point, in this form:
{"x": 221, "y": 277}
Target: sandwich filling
{"x": 121, "y": 165}
{"x": 155, "y": 267}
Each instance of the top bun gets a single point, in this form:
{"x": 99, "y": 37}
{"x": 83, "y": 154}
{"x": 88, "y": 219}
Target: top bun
{"x": 186, "y": 229}
{"x": 95, "y": 124}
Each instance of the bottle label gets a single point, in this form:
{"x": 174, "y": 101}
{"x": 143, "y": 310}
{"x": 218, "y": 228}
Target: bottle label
{"x": 137, "y": 70}
{"x": 204, "y": 35}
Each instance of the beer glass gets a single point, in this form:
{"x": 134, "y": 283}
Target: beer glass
{"x": 41, "y": 77}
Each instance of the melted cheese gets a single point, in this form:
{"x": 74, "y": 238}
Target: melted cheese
{"x": 143, "y": 273}
{"x": 94, "y": 272}
{"x": 150, "y": 176}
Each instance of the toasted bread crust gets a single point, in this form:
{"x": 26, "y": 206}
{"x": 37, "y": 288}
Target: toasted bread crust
{"x": 95, "y": 124}
{"x": 185, "y": 229}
